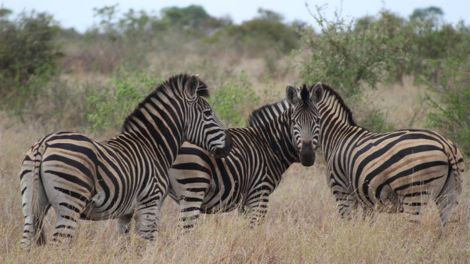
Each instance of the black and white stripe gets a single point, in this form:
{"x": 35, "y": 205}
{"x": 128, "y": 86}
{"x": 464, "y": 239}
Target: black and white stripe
{"x": 121, "y": 177}
{"x": 245, "y": 178}
{"x": 395, "y": 171}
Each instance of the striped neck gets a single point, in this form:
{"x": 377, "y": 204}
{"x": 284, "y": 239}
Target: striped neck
{"x": 273, "y": 121}
{"x": 158, "y": 123}
{"x": 277, "y": 133}
{"x": 335, "y": 121}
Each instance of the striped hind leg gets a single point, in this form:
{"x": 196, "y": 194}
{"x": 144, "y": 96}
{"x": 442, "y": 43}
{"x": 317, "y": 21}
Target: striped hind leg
{"x": 69, "y": 202}
{"x": 256, "y": 207}
{"x": 346, "y": 202}
{"x": 190, "y": 208}
{"x": 413, "y": 203}
{"x": 147, "y": 217}
{"x": 448, "y": 198}
{"x": 66, "y": 224}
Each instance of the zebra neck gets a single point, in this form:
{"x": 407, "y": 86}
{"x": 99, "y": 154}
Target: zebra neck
{"x": 334, "y": 127}
{"x": 278, "y": 137}
{"x": 158, "y": 124}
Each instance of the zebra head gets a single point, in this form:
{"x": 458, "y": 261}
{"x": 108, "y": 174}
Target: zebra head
{"x": 202, "y": 127}
{"x": 305, "y": 125}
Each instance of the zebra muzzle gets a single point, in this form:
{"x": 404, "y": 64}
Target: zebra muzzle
{"x": 307, "y": 154}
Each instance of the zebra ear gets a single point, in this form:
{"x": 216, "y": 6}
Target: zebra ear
{"x": 191, "y": 86}
{"x": 292, "y": 95}
{"x": 316, "y": 92}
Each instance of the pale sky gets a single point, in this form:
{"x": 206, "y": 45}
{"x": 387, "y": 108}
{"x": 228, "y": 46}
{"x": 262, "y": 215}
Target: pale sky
{"x": 79, "y": 14}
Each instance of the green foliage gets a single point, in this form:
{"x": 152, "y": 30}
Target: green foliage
{"x": 344, "y": 55}
{"x": 451, "y": 114}
{"x": 234, "y": 101}
{"x": 385, "y": 48}
{"x": 28, "y": 47}
{"x": 29, "y": 53}
{"x": 192, "y": 17}
{"x": 375, "y": 120}
{"x": 431, "y": 16}
{"x": 266, "y": 32}
{"x": 109, "y": 106}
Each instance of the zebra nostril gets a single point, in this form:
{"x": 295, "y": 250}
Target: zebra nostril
{"x": 307, "y": 145}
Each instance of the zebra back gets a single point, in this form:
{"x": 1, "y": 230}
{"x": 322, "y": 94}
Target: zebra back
{"x": 267, "y": 113}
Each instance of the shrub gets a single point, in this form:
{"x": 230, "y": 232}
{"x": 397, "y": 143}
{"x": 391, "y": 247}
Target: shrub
{"x": 109, "y": 106}
{"x": 234, "y": 101}
{"x": 347, "y": 54}
{"x": 451, "y": 113}
{"x": 28, "y": 57}
{"x": 375, "y": 121}
{"x": 29, "y": 47}
{"x": 265, "y": 33}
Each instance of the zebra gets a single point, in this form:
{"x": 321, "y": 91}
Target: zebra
{"x": 278, "y": 135}
{"x": 398, "y": 171}
{"x": 123, "y": 177}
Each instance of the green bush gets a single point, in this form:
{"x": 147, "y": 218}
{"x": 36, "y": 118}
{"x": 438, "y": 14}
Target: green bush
{"x": 109, "y": 106}
{"x": 451, "y": 113}
{"x": 347, "y": 54}
{"x": 266, "y": 33}
{"x": 29, "y": 53}
{"x": 375, "y": 120}
{"x": 234, "y": 101}
{"x": 28, "y": 49}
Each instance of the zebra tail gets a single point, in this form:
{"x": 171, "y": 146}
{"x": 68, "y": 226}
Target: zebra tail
{"x": 34, "y": 198}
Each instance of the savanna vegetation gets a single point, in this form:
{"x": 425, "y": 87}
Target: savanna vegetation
{"x": 394, "y": 72}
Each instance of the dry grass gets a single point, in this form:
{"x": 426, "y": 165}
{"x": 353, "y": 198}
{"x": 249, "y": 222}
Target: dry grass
{"x": 301, "y": 227}
{"x": 403, "y": 105}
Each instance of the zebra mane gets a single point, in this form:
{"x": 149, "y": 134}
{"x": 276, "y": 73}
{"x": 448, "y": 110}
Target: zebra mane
{"x": 176, "y": 82}
{"x": 341, "y": 102}
{"x": 305, "y": 95}
{"x": 267, "y": 113}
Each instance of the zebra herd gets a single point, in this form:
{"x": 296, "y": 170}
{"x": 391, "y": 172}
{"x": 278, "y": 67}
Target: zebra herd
{"x": 173, "y": 143}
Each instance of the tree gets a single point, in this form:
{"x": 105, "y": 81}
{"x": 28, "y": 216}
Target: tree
{"x": 431, "y": 16}
{"x": 192, "y": 17}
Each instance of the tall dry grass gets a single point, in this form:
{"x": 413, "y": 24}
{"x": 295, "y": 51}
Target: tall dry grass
{"x": 302, "y": 226}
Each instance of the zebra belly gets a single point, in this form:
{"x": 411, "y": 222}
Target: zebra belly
{"x": 98, "y": 211}
{"x": 222, "y": 197}
{"x": 95, "y": 214}
{"x": 220, "y": 207}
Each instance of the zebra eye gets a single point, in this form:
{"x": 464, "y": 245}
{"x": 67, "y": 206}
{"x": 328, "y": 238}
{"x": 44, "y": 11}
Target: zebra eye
{"x": 207, "y": 112}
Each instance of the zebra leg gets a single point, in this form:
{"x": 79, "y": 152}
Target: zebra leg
{"x": 147, "y": 218}
{"x": 413, "y": 203}
{"x": 190, "y": 209}
{"x": 368, "y": 212}
{"x": 66, "y": 225}
{"x": 69, "y": 203}
{"x": 346, "y": 202}
{"x": 448, "y": 198}
{"x": 124, "y": 224}
{"x": 257, "y": 207}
